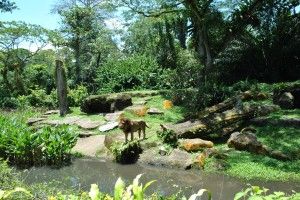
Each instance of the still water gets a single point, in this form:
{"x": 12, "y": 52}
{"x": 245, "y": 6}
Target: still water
{"x": 83, "y": 172}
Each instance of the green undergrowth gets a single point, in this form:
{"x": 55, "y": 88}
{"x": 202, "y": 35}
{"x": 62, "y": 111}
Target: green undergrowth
{"x": 248, "y": 166}
{"x": 286, "y": 114}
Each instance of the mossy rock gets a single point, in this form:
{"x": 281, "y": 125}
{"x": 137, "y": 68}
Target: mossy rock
{"x": 105, "y": 103}
{"x": 127, "y": 153}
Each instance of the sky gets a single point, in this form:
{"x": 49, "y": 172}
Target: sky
{"x": 34, "y": 12}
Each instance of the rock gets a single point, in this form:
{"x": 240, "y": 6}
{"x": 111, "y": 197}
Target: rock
{"x": 127, "y": 153}
{"x": 90, "y": 145}
{"x": 286, "y": 93}
{"x": 51, "y": 112}
{"x": 246, "y": 142}
{"x": 261, "y": 96}
{"x": 113, "y": 117}
{"x": 279, "y": 155}
{"x": 195, "y": 144}
{"x": 162, "y": 151}
{"x": 167, "y": 104}
{"x": 200, "y": 160}
{"x": 67, "y": 120}
{"x": 155, "y": 111}
{"x": 139, "y": 110}
{"x": 84, "y": 134}
{"x": 210, "y": 152}
{"x": 109, "y": 126}
{"x": 220, "y": 165}
{"x": 88, "y": 124}
{"x": 286, "y": 101}
{"x": 105, "y": 103}
{"x": 296, "y": 95}
{"x": 180, "y": 159}
{"x": 177, "y": 159}
{"x": 113, "y": 138}
{"x": 32, "y": 121}
{"x": 120, "y": 102}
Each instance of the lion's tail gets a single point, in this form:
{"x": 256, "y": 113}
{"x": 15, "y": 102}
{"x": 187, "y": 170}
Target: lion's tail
{"x": 146, "y": 125}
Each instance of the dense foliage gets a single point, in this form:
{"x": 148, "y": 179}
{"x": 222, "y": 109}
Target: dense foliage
{"x": 23, "y": 146}
{"x": 200, "y": 45}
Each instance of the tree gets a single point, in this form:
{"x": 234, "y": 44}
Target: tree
{"x": 7, "y": 6}
{"x": 202, "y": 15}
{"x": 85, "y": 33}
{"x": 19, "y": 43}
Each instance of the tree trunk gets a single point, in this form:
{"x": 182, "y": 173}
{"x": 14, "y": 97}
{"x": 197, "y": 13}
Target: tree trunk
{"x": 5, "y": 77}
{"x": 61, "y": 84}
{"x": 77, "y": 61}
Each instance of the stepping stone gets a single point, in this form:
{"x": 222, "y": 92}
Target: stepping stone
{"x": 109, "y": 126}
{"x": 67, "y": 120}
{"x": 51, "y": 112}
{"x": 88, "y": 124}
{"x": 89, "y": 146}
{"x": 84, "y": 134}
{"x": 155, "y": 111}
{"x": 113, "y": 117}
{"x": 32, "y": 121}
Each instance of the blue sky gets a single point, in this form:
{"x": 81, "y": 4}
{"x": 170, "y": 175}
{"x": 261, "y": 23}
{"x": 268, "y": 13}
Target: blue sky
{"x": 34, "y": 12}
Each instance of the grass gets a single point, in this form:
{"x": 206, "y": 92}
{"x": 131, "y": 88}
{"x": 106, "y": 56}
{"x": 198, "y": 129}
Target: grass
{"x": 250, "y": 166}
{"x": 241, "y": 164}
{"x": 286, "y": 114}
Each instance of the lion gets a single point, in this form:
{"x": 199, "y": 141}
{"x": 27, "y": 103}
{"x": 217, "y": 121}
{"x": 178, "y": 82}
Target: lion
{"x": 130, "y": 126}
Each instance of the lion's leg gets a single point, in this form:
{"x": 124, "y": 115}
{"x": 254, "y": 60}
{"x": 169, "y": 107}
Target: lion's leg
{"x": 131, "y": 135}
{"x": 144, "y": 133}
{"x": 126, "y": 137}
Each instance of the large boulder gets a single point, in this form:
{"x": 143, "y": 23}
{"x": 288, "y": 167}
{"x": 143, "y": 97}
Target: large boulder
{"x": 286, "y": 100}
{"x": 105, "y": 103}
{"x": 176, "y": 159}
{"x": 195, "y": 144}
{"x": 287, "y": 96}
{"x": 246, "y": 142}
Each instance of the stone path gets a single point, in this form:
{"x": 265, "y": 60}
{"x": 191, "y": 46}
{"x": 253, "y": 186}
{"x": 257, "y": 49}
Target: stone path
{"x": 89, "y": 146}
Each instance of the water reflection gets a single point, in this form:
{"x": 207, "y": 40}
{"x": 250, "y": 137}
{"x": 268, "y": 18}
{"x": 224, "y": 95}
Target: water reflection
{"x": 84, "y": 172}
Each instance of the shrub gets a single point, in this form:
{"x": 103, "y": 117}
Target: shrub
{"x": 168, "y": 137}
{"x": 49, "y": 145}
{"x": 55, "y": 143}
{"x": 76, "y": 96}
{"x": 10, "y": 102}
{"x": 187, "y": 73}
{"x": 39, "y": 98}
{"x": 135, "y": 72}
{"x": 127, "y": 153}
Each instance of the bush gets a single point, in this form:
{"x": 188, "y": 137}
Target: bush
{"x": 77, "y": 95}
{"x": 10, "y": 102}
{"x": 135, "y": 72}
{"x": 55, "y": 144}
{"x": 39, "y": 98}
{"x": 187, "y": 73}
{"x": 127, "y": 153}
{"x": 49, "y": 145}
{"x": 168, "y": 137}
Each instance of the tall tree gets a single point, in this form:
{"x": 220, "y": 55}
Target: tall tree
{"x": 19, "y": 43}
{"x": 7, "y": 6}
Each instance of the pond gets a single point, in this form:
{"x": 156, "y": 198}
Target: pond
{"x": 83, "y": 172}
